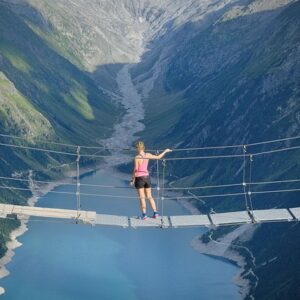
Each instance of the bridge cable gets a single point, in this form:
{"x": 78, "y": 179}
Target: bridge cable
{"x": 249, "y": 184}
{"x": 78, "y": 182}
{"x": 131, "y": 149}
{"x": 158, "y": 183}
{"x": 166, "y": 188}
{"x": 238, "y": 146}
{"x": 244, "y": 177}
{"x": 100, "y": 148}
{"x": 164, "y": 164}
{"x": 170, "y": 159}
{"x": 232, "y": 155}
{"x": 66, "y": 193}
{"x": 66, "y": 184}
{"x": 169, "y": 198}
{"x": 38, "y": 149}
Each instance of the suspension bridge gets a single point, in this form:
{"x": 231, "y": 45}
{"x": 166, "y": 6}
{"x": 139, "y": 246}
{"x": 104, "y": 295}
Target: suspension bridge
{"x": 247, "y": 216}
{"x": 92, "y": 218}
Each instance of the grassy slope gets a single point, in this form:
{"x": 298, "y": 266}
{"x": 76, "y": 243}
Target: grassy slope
{"x": 50, "y": 82}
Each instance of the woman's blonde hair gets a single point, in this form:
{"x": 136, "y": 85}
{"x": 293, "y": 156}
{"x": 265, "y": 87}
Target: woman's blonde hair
{"x": 140, "y": 145}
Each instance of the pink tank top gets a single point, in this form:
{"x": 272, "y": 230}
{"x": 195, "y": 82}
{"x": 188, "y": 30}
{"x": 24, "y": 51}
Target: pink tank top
{"x": 142, "y": 168}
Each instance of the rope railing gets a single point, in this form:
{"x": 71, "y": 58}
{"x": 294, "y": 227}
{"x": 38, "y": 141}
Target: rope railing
{"x": 167, "y": 159}
{"x": 65, "y": 183}
{"x": 163, "y": 191}
{"x": 233, "y": 155}
{"x": 168, "y": 198}
{"x": 239, "y": 145}
{"x": 38, "y": 149}
{"x": 247, "y": 192}
{"x": 63, "y": 144}
{"x": 65, "y": 193}
{"x": 158, "y": 181}
{"x": 174, "y": 150}
{"x": 165, "y": 188}
{"x": 244, "y": 178}
{"x": 78, "y": 182}
{"x": 234, "y": 194}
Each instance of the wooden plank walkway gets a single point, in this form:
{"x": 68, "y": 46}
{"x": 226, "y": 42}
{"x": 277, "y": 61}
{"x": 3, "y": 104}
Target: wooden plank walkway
{"x": 84, "y": 216}
{"x": 217, "y": 219}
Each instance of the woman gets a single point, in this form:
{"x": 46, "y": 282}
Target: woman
{"x": 140, "y": 177}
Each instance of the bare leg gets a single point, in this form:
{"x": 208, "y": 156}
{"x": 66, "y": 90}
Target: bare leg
{"x": 141, "y": 194}
{"x": 151, "y": 199}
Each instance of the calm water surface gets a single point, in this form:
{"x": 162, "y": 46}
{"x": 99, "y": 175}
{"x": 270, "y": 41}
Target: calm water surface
{"x": 62, "y": 261}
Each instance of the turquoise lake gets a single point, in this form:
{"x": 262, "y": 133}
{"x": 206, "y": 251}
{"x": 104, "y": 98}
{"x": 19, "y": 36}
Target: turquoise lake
{"x": 64, "y": 261}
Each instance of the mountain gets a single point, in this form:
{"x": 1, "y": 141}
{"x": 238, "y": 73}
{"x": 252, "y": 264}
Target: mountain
{"x": 233, "y": 80}
{"x": 43, "y": 97}
{"x": 203, "y": 72}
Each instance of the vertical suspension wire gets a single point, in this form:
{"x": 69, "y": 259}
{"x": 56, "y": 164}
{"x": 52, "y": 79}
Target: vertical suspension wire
{"x": 158, "y": 183}
{"x": 163, "y": 191}
{"x": 249, "y": 185}
{"x": 244, "y": 177}
{"x": 78, "y": 182}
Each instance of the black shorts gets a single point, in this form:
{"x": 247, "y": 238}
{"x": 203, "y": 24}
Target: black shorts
{"x": 142, "y": 182}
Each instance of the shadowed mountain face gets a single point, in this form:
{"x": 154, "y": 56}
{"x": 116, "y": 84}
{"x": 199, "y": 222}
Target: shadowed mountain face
{"x": 43, "y": 96}
{"x": 233, "y": 82}
{"x": 188, "y": 73}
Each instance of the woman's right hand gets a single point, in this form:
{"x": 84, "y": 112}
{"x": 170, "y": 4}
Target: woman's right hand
{"x": 168, "y": 150}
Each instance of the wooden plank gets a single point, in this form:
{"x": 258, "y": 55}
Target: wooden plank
{"x": 235, "y": 217}
{"x": 135, "y": 222}
{"x": 111, "y": 220}
{"x": 271, "y": 215}
{"x": 85, "y": 216}
{"x": 296, "y": 212}
{"x": 189, "y": 220}
{"x": 219, "y": 219}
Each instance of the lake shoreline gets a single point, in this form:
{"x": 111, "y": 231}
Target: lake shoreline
{"x": 13, "y": 243}
{"x": 222, "y": 249}
{"x": 230, "y": 256}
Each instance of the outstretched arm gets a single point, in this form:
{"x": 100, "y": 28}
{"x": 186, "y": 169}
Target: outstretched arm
{"x": 159, "y": 156}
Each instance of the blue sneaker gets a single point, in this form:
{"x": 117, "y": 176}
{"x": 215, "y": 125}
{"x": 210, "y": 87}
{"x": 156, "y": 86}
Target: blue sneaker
{"x": 155, "y": 215}
{"x": 144, "y": 217}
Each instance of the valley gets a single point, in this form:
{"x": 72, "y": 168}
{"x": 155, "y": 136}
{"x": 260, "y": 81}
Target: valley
{"x": 177, "y": 74}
